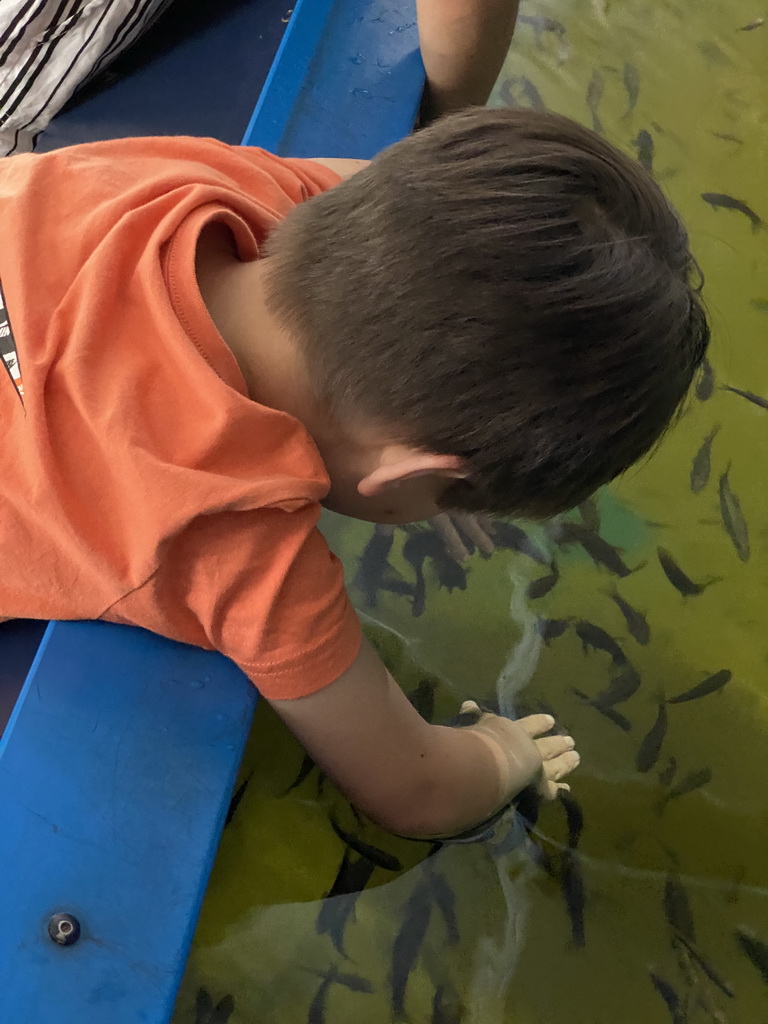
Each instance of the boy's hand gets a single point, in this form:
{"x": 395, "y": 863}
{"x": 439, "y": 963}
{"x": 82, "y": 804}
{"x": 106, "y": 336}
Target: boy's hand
{"x": 558, "y": 754}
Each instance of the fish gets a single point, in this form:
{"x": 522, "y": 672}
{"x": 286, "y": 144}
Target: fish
{"x": 677, "y": 908}
{"x": 551, "y": 629}
{"x": 671, "y": 999}
{"x": 446, "y": 1007}
{"x": 682, "y": 583}
{"x": 752, "y": 25}
{"x": 590, "y": 514}
{"x": 543, "y": 585}
{"x": 424, "y": 544}
{"x": 445, "y": 901}
{"x": 422, "y": 697}
{"x": 510, "y": 537}
{"x": 572, "y": 889}
{"x": 667, "y": 774}
{"x": 701, "y": 466}
{"x": 624, "y": 685}
{"x": 595, "y": 91}
{"x": 407, "y": 946}
{"x": 517, "y": 83}
{"x": 761, "y": 305}
{"x": 237, "y": 796}
{"x": 688, "y": 784}
{"x": 575, "y": 819}
{"x": 711, "y": 684}
{"x": 307, "y": 766}
{"x": 722, "y": 201}
{"x": 716, "y": 978}
{"x": 338, "y": 906}
{"x": 532, "y": 94}
{"x": 353, "y": 982}
{"x": 650, "y": 747}
{"x": 755, "y": 950}
{"x": 630, "y": 76}
{"x": 374, "y": 566}
{"x": 643, "y": 143}
{"x": 727, "y": 137}
{"x": 207, "y": 1013}
{"x": 541, "y": 24}
{"x": 758, "y": 400}
{"x": 610, "y": 713}
{"x": 599, "y": 550}
{"x": 705, "y": 385}
{"x": 598, "y": 639}
{"x": 733, "y": 518}
{"x": 380, "y": 858}
{"x": 637, "y": 624}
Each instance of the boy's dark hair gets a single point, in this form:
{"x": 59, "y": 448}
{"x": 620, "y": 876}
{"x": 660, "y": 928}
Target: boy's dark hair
{"x": 504, "y": 286}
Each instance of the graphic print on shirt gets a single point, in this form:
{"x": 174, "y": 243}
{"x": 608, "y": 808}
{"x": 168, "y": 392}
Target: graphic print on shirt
{"x": 8, "y": 348}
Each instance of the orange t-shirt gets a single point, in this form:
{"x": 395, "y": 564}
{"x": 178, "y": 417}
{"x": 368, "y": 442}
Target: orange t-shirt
{"x": 138, "y": 482}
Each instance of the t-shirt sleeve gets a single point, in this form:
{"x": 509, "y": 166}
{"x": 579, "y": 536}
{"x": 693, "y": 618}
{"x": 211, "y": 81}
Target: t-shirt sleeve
{"x": 262, "y": 587}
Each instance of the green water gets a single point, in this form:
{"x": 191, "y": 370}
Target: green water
{"x": 499, "y": 944}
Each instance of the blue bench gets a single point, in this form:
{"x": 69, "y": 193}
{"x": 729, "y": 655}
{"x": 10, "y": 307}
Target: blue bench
{"x": 119, "y": 758}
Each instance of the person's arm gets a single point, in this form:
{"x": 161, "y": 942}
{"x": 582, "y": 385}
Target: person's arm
{"x": 414, "y": 778}
{"x": 463, "y": 46}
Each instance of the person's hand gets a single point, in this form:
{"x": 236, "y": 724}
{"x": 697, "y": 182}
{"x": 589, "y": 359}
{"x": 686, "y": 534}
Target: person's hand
{"x": 558, "y": 754}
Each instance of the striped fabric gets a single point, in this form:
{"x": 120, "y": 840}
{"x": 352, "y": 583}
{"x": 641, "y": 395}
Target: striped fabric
{"x": 50, "y": 47}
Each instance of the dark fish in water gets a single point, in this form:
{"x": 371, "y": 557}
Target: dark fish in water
{"x": 705, "y": 385}
{"x": 706, "y": 966}
{"x": 207, "y": 1013}
{"x": 637, "y": 624}
{"x": 719, "y": 200}
{"x": 510, "y": 537}
{"x": 752, "y": 25}
{"x": 595, "y": 91}
{"x": 445, "y": 901}
{"x": 575, "y": 818}
{"x": 671, "y": 999}
{"x": 761, "y": 305}
{"x": 643, "y": 143}
{"x": 380, "y": 858}
{"x": 759, "y": 401}
{"x": 446, "y": 1007}
{"x": 701, "y": 466}
{"x": 688, "y": 784}
{"x": 677, "y": 908}
{"x": 599, "y": 640}
{"x": 650, "y": 748}
{"x": 733, "y": 518}
{"x": 610, "y": 713}
{"x": 572, "y": 888}
{"x": 624, "y": 685}
{"x": 423, "y": 699}
{"x": 599, "y": 550}
{"x": 543, "y": 585}
{"x": 668, "y": 773}
{"x": 682, "y": 583}
{"x": 374, "y": 566}
{"x": 518, "y": 85}
{"x": 353, "y": 982}
{"x": 237, "y": 796}
{"x": 551, "y": 629}
{"x": 307, "y": 766}
{"x": 630, "y": 76}
{"x": 407, "y": 946}
{"x": 590, "y": 515}
{"x": 755, "y": 950}
{"x": 727, "y": 137}
{"x": 428, "y": 544}
{"x": 540, "y": 24}
{"x": 711, "y": 684}
{"x": 339, "y": 904}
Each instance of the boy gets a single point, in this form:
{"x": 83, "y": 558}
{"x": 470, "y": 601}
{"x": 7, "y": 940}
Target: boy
{"x": 495, "y": 314}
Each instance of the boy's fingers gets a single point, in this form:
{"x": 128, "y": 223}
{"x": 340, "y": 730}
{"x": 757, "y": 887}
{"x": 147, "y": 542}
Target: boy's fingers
{"x": 564, "y": 764}
{"x": 536, "y": 725}
{"x": 554, "y": 746}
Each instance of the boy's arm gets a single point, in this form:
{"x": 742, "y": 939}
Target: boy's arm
{"x": 414, "y": 778}
{"x": 463, "y": 46}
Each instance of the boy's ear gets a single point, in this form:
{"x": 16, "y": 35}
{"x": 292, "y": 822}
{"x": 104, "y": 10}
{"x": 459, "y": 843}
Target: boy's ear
{"x": 411, "y": 466}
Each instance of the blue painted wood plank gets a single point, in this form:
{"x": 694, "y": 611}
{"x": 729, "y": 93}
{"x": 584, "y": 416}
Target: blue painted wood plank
{"x": 346, "y": 81}
{"x": 115, "y": 776}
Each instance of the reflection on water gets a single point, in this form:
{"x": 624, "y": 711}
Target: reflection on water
{"x": 639, "y": 619}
